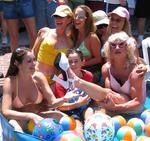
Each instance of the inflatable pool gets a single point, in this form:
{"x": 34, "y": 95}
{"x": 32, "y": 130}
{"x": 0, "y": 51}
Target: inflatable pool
{"x": 7, "y": 132}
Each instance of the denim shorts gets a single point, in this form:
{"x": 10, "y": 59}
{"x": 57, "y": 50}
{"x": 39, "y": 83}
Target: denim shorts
{"x": 1, "y": 6}
{"x": 18, "y": 9}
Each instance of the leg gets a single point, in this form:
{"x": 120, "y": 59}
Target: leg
{"x": 12, "y": 26}
{"x": 31, "y": 29}
{"x": 141, "y": 28}
{"x": 79, "y": 127}
{"x": 88, "y": 112}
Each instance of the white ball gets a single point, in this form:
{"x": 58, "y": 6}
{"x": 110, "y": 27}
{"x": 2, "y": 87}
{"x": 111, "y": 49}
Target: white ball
{"x": 99, "y": 127}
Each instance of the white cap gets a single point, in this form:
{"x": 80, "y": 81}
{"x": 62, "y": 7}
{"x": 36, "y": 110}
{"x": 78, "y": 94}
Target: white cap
{"x": 100, "y": 17}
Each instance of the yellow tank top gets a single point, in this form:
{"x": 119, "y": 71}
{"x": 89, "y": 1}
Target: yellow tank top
{"x": 47, "y": 52}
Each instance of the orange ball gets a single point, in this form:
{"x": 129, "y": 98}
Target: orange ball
{"x": 147, "y": 129}
{"x": 68, "y": 123}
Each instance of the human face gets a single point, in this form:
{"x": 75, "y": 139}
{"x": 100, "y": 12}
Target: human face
{"x": 79, "y": 18}
{"x": 75, "y": 62}
{"x": 118, "y": 47}
{"x": 28, "y": 64}
{"x": 102, "y": 29}
{"x": 62, "y": 22}
{"x": 116, "y": 23}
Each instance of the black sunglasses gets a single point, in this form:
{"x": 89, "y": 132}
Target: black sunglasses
{"x": 102, "y": 26}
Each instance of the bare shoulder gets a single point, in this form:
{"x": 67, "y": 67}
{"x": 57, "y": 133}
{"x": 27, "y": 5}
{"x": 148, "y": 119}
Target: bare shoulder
{"x": 105, "y": 70}
{"x": 38, "y": 76}
{"x": 93, "y": 36}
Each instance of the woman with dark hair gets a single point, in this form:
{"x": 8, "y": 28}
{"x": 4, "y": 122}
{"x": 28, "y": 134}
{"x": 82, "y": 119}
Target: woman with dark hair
{"x": 26, "y": 93}
{"x": 86, "y": 39}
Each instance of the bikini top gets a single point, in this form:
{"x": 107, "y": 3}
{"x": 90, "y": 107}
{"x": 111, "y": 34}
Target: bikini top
{"x": 48, "y": 52}
{"x": 17, "y": 103}
{"x": 85, "y": 51}
{"x": 125, "y": 88}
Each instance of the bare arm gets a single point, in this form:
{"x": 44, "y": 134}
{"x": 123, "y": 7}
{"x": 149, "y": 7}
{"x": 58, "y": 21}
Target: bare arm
{"x": 70, "y": 106}
{"x": 41, "y": 35}
{"x": 94, "y": 46}
{"x": 7, "y": 105}
{"x": 48, "y": 93}
{"x": 136, "y": 93}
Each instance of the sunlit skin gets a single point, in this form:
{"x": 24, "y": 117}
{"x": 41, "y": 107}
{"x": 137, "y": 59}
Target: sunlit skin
{"x": 116, "y": 23}
{"x": 75, "y": 63}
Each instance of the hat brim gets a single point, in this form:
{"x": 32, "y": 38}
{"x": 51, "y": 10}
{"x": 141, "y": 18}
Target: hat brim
{"x": 60, "y": 14}
{"x": 104, "y": 21}
{"x": 117, "y": 13}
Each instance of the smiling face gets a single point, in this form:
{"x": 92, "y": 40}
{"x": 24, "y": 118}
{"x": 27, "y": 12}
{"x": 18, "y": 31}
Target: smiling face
{"x": 79, "y": 18}
{"x": 75, "y": 62}
{"x": 62, "y": 22}
{"x": 116, "y": 23}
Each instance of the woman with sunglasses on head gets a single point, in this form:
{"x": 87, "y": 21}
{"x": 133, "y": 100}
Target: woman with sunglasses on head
{"x": 125, "y": 90}
{"x": 26, "y": 93}
{"x": 52, "y": 41}
{"x": 86, "y": 39}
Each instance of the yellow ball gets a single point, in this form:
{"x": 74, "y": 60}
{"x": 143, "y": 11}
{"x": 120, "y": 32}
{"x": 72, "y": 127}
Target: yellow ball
{"x": 30, "y": 126}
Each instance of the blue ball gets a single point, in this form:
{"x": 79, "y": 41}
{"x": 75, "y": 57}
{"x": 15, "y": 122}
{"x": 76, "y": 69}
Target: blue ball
{"x": 47, "y": 129}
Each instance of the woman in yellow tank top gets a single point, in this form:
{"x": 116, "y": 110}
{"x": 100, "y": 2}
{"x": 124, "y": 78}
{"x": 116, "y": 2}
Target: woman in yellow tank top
{"x": 52, "y": 41}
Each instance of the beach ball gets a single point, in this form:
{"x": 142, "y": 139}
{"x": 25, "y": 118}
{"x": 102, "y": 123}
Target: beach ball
{"x": 69, "y": 136}
{"x": 30, "y": 126}
{"x": 147, "y": 120}
{"x": 147, "y": 129}
{"x": 137, "y": 124}
{"x": 99, "y": 127}
{"x": 143, "y": 138}
{"x": 144, "y": 114}
{"x": 118, "y": 121}
{"x": 68, "y": 123}
{"x": 126, "y": 133}
{"x": 47, "y": 129}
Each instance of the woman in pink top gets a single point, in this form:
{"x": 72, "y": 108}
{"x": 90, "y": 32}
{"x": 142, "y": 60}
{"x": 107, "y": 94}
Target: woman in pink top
{"x": 121, "y": 73}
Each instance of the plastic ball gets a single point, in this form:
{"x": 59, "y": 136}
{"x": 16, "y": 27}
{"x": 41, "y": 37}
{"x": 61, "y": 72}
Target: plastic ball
{"x": 99, "y": 127}
{"x": 143, "y": 138}
{"x": 118, "y": 121}
{"x": 30, "y": 126}
{"x": 68, "y": 136}
{"x": 47, "y": 129}
{"x": 147, "y": 120}
{"x": 126, "y": 133}
{"x": 68, "y": 123}
{"x": 144, "y": 114}
{"x": 147, "y": 129}
{"x": 137, "y": 124}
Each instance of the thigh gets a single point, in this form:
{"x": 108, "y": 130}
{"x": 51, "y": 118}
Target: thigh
{"x": 10, "y": 10}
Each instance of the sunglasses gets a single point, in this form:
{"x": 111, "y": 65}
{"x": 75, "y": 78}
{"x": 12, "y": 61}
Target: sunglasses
{"x": 120, "y": 44}
{"x": 102, "y": 26}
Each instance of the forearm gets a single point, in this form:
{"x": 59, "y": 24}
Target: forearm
{"x": 129, "y": 106}
{"x": 57, "y": 102}
{"x": 94, "y": 91}
{"x": 92, "y": 61}
{"x": 12, "y": 114}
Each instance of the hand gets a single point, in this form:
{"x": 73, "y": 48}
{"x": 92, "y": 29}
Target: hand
{"x": 71, "y": 95}
{"x": 108, "y": 103}
{"x": 36, "y": 118}
{"x": 141, "y": 70}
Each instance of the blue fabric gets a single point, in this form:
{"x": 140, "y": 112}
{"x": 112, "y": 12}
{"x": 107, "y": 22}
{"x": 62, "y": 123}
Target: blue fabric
{"x": 18, "y": 9}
